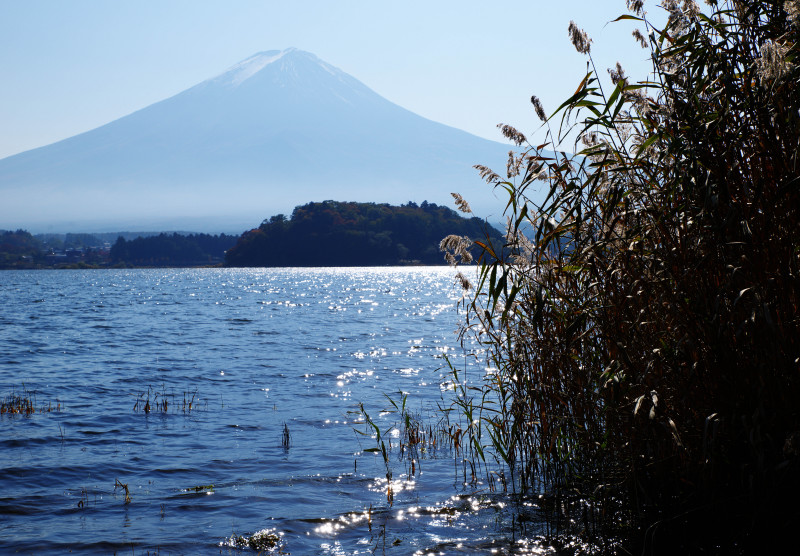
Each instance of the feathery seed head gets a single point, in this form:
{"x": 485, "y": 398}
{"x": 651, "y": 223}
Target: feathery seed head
{"x": 537, "y": 106}
{"x": 450, "y": 243}
{"x": 580, "y": 40}
{"x": 463, "y": 281}
{"x": 792, "y": 8}
{"x": 462, "y": 205}
{"x": 617, "y": 74}
{"x": 512, "y": 134}
{"x": 677, "y": 19}
{"x": 624, "y": 131}
{"x": 636, "y": 6}
{"x": 456, "y": 246}
{"x": 589, "y": 138}
{"x": 773, "y": 63}
{"x": 641, "y": 102}
{"x": 487, "y": 174}
{"x": 639, "y": 37}
{"x": 513, "y": 165}
{"x": 691, "y": 9}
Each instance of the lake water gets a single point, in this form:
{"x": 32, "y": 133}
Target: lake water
{"x": 274, "y": 363}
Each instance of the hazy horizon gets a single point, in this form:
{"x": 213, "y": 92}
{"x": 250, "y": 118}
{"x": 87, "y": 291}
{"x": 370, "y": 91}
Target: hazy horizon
{"x": 469, "y": 67}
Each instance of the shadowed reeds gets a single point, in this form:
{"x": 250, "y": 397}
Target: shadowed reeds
{"x": 644, "y": 320}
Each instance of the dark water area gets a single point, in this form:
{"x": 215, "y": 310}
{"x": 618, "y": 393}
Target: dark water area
{"x": 258, "y": 353}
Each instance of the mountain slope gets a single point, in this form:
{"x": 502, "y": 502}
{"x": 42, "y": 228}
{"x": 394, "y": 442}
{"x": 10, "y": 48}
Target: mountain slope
{"x": 279, "y": 129}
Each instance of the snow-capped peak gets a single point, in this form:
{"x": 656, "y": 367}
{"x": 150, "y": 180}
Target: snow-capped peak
{"x": 245, "y": 69}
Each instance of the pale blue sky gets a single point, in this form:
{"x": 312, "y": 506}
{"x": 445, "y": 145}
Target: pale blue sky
{"x": 70, "y": 66}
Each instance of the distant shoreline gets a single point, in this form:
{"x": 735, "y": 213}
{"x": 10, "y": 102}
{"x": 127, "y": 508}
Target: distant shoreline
{"x": 117, "y": 267}
{"x": 318, "y": 234}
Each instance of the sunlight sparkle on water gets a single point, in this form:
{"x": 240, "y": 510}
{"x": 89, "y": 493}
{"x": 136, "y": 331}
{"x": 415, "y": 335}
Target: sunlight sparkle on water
{"x": 265, "y": 349}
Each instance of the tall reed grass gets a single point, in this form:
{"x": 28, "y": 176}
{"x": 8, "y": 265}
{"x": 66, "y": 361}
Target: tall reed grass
{"x": 643, "y": 320}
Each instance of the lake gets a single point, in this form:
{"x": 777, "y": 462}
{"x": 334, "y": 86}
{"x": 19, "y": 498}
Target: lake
{"x": 262, "y": 371}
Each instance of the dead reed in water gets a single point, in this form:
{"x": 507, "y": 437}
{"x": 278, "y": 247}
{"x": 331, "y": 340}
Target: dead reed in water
{"x": 260, "y": 541}
{"x": 161, "y": 401}
{"x": 124, "y": 487}
{"x": 286, "y": 438}
{"x": 24, "y": 403}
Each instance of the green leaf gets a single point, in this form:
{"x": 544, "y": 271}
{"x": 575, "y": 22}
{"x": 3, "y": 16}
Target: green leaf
{"x": 626, "y": 16}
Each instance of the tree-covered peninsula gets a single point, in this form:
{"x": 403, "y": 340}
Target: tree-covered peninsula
{"x": 333, "y": 233}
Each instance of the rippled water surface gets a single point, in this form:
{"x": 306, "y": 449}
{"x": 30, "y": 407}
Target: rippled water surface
{"x": 258, "y": 353}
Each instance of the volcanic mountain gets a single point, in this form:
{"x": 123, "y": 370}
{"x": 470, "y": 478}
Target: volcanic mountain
{"x": 279, "y": 129}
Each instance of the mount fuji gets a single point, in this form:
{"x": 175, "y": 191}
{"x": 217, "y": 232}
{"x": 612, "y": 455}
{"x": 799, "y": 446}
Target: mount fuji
{"x": 279, "y": 129}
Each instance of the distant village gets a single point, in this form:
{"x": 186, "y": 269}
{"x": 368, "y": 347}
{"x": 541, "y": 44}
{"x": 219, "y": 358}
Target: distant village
{"x": 98, "y": 255}
{"x": 21, "y": 250}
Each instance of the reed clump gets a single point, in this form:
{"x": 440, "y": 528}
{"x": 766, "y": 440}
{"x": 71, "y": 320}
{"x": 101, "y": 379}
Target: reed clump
{"x": 644, "y": 319}
{"x": 415, "y": 439}
{"x": 162, "y": 401}
{"x": 24, "y": 403}
{"x": 264, "y": 540}
{"x": 199, "y": 489}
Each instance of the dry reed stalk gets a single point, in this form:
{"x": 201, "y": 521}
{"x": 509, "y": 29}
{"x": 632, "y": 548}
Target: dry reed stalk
{"x": 644, "y": 320}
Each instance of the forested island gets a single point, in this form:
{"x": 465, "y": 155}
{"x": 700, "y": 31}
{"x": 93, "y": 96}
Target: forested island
{"x": 333, "y": 233}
